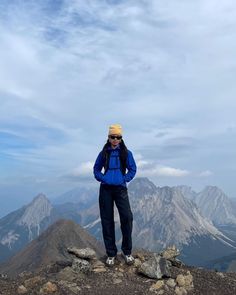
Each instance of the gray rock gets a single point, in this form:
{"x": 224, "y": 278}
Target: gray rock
{"x": 86, "y": 253}
{"x": 220, "y": 274}
{"x": 180, "y": 291}
{"x": 117, "y": 281}
{"x": 81, "y": 265}
{"x": 171, "y": 283}
{"x": 156, "y": 267}
{"x": 98, "y": 263}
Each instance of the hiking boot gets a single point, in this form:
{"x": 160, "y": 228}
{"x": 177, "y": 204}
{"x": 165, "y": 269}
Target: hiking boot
{"x": 110, "y": 261}
{"x": 129, "y": 259}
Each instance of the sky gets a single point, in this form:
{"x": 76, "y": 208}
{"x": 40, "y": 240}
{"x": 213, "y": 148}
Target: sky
{"x": 163, "y": 69}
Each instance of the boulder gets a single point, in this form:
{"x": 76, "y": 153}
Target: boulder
{"x": 156, "y": 267}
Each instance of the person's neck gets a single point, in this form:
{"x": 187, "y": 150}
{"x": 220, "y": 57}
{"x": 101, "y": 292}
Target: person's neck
{"x": 114, "y": 146}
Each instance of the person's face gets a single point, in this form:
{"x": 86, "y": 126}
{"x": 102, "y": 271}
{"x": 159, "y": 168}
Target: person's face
{"x": 114, "y": 139}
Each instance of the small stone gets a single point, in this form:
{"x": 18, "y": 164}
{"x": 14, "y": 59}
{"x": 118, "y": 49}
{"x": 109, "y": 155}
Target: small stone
{"x": 166, "y": 288}
{"x": 72, "y": 287}
{"x": 22, "y": 290}
{"x": 48, "y": 288}
{"x": 75, "y": 289}
{"x": 32, "y": 282}
{"x": 160, "y": 292}
{"x": 117, "y": 281}
{"x": 170, "y": 252}
{"x": 98, "y": 263}
{"x": 220, "y": 274}
{"x": 188, "y": 280}
{"x": 140, "y": 257}
{"x": 158, "y": 285}
{"x": 180, "y": 291}
{"x": 99, "y": 269}
{"x": 25, "y": 274}
{"x": 137, "y": 262}
{"x": 120, "y": 274}
{"x": 171, "y": 283}
{"x": 180, "y": 280}
{"x": 131, "y": 270}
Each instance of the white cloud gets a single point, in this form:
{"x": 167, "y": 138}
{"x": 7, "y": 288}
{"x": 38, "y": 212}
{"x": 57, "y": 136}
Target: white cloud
{"x": 84, "y": 169}
{"x": 205, "y": 173}
{"x": 164, "y": 171}
{"x": 141, "y": 163}
{"x": 150, "y": 169}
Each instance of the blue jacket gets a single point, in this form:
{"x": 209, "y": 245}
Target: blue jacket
{"x": 114, "y": 175}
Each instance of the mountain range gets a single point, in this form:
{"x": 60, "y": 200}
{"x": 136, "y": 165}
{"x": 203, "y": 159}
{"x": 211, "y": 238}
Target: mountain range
{"x": 163, "y": 216}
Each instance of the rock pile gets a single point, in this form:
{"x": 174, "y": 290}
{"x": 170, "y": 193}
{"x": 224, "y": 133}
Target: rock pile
{"x": 159, "y": 267}
{"x": 84, "y": 263}
{"x": 151, "y": 273}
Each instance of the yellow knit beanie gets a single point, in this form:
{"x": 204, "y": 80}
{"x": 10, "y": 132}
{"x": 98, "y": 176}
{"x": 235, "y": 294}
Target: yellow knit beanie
{"x": 115, "y": 129}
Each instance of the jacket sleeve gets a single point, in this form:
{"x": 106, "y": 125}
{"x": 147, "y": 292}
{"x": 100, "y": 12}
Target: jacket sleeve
{"x": 97, "y": 168}
{"x": 131, "y": 167}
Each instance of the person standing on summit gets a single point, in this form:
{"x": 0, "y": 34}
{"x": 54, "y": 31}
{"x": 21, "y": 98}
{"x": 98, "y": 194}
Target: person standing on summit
{"x": 119, "y": 168}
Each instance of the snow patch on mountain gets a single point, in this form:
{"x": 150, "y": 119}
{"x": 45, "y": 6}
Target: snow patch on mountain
{"x": 9, "y": 239}
{"x": 35, "y": 213}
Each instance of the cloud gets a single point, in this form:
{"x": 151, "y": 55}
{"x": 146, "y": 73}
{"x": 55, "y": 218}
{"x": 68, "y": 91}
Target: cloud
{"x": 164, "y": 171}
{"x": 205, "y": 173}
{"x": 164, "y": 70}
{"x": 141, "y": 163}
{"x": 84, "y": 169}
{"x": 150, "y": 168}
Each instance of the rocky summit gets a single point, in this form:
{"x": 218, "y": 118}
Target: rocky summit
{"x": 51, "y": 247}
{"x": 151, "y": 273}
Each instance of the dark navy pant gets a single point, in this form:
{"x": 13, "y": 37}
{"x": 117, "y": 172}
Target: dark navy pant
{"x": 107, "y": 196}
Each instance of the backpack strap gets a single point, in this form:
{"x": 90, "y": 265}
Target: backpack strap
{"x": 123, "y": 161}
{"x": 106, "y": 157}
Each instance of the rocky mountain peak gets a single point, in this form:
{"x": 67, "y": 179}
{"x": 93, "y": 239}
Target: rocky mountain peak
{"x": 51, "y": 246}
{"x": 187, "y": 191}
{"x": 167, "y": 218}
{"x": 36, "y": 211}
{"x": 214, "y": 191}
{"x": 40, "y": 197}
{"x": 216, "y": 205}
{"x": 142, "y": 186}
